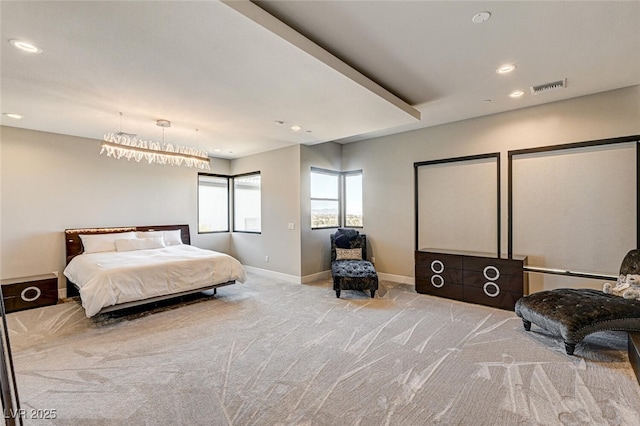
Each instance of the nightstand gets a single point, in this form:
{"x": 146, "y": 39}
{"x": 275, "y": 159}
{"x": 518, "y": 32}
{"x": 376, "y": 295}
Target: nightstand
{"x": 29, "y": 292}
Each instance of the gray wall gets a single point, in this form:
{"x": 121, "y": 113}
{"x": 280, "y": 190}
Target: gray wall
{"x": 280, "y": 174}
{"x": 50, "y": 182}
{"x": 388, "y": 164}
{"x": 315, "y": 243}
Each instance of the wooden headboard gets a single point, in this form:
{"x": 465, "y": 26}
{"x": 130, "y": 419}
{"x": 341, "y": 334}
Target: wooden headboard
{"x": 73, "y": 243}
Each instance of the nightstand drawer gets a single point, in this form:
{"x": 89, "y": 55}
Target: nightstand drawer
{"x": 30, "y": 292}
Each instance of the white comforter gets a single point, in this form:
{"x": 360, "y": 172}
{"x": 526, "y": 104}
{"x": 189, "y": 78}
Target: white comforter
{"x": 109, "y": 278}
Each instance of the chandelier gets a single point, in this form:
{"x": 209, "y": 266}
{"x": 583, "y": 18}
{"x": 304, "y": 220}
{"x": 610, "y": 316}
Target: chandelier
{"x": 123, "y": 145}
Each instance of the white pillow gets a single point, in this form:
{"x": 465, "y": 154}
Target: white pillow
{"x": 171, "y": 238}
{"x": 130, "y": 244}
{"x": 96, "y": 243}
{"x": 149, "y": 234}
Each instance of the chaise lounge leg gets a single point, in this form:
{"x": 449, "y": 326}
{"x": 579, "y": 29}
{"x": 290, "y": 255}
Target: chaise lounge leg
{"x": 527, "y": 324}
{"x": 569, "y": 347}
{"x": 373, "y": 294}
{"x": 338, "y": 294}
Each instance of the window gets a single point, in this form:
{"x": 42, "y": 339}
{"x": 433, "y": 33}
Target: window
{"x": 246, "y": 203}
{"x": 213, "y": 203}
{"x": 336, "y": 199}
{"x": 325, "y": 199}
{"x": 353, "y": 199}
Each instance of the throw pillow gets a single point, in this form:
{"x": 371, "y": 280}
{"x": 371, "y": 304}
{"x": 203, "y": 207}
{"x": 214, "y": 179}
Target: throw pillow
{"x": 348, "y": 254}
{"x": 344, "y": 236}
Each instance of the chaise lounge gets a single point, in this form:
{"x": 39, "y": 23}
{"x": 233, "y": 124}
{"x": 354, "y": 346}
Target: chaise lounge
{"x": 574, "y": 313}
{"x": 350, "y": 268}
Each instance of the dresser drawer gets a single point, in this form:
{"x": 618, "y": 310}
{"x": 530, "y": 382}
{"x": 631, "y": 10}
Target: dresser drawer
{"x": 27, "y": 293}
{"x": 437, "y": 260}
{"x": 493, "y": 267}
{"x": 449, "y": 275}
{"x": 510, "y": 283}
{"x": 436, "y": 287}
{"x": 491, "y": 296}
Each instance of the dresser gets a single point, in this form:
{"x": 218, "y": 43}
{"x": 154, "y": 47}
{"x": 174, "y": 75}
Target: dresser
{"x": 29, "y": 292}
{"x": 471, "y": 277}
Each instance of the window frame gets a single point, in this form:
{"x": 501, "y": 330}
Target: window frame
{"x": 233, "y": 202}
{"x": 345, "y": 195}
{"x": 342, "y": 196}
{"x": 229, "y": 206}
{"x": 338, "y": 200}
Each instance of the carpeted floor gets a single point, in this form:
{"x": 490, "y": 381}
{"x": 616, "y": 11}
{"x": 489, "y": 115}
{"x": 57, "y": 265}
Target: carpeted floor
{"x": 269, "y": 352}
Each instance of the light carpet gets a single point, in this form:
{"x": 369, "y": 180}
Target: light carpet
{"x": 269, "y": 352}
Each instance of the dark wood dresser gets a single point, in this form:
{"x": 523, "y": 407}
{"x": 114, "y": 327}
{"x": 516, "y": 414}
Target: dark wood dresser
{"x": 471, "y": 277}
{"x": 29, "y": 292}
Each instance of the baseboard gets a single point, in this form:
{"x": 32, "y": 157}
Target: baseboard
{"x": 272, "y": 274}
{"x": 315, "y": 277}
{"x": 400, "y": 279}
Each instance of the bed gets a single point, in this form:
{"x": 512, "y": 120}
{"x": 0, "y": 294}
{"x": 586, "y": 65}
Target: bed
{"x": 117, "y": 268}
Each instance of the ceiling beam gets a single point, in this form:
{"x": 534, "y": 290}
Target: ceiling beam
{"x": 271, "y": 23}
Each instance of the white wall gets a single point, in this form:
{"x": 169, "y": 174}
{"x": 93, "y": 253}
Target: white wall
{"x": 51, "y": 182}
{"x": 388, "y": 164}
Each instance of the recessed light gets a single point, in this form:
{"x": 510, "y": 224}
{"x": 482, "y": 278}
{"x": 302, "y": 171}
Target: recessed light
{"x": 507, "y": 68}
{"x": 13, "y": 115}
{"x": 279, "y": 122}
{"x": 487, "y": 101}
{"x": 25, "y": 46}
{"x": 296, "y": 128}
{"x": 481, "y": 17}
{"x": 217, "y": 150}
{"x": 516, "y": 94}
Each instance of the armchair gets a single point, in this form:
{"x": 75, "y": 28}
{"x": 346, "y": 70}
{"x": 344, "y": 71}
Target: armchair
{"x": 350, "y": 268}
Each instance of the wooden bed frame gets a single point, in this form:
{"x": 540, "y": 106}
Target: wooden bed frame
{"x": 73, "y": 246}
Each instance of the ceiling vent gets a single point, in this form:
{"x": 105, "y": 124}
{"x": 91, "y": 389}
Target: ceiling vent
{"x": 548, "y": 87}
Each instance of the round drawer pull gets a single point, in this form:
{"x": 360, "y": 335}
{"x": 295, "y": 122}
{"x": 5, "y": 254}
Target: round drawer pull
{"x": 494, "y": 270}
{"x": 24, "y": 297}
{"x": 437, "y": 266}
{"x": 440, "y": 280}
{"x": 491, "y": 284}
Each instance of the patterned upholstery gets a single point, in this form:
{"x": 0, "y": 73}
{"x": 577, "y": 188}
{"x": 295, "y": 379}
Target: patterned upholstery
{"x": 574, "y": 313}
{"x": 352, "y": 274}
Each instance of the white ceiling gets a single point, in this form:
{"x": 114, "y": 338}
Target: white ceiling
{"x": 231, "y": 70}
